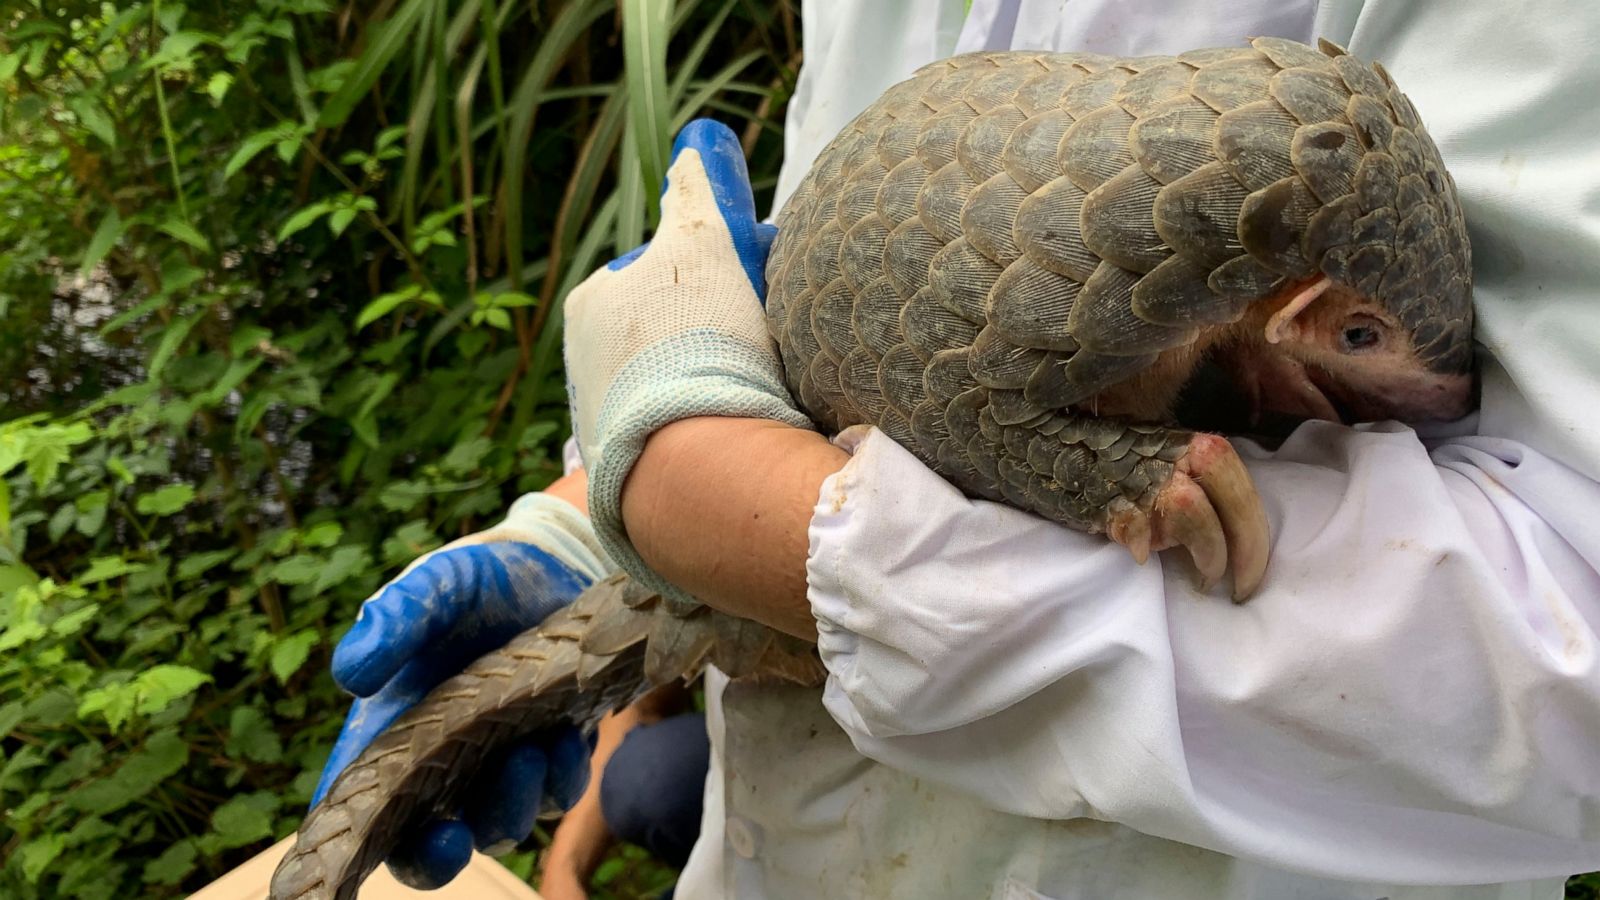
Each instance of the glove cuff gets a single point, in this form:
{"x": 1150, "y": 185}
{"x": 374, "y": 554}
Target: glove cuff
{"x": 698, "y": 373}
{"x": 558, "y": 528}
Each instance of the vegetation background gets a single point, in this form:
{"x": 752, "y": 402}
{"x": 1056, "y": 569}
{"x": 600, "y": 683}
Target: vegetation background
{"x": 281, "y": 283}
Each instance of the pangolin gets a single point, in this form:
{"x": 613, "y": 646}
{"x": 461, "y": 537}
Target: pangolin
{"x": 1013, "y": 263}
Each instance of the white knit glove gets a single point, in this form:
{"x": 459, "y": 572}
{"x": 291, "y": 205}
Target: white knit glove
{"x": 674, "y": 329}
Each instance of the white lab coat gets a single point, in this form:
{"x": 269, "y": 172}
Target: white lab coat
{"x": 1016, "y": 710}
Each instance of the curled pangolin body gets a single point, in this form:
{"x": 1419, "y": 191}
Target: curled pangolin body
{"x": 1006, "y": 236}
{"x": 993, "y": 244}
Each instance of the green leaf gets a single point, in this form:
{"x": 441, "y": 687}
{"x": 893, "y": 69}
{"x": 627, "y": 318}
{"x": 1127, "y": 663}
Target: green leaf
{"x": 177, "y": 50}
{"x": 120, "y": 469}
{"x": 113, "y": 702}
{"x": 36, "y": 855}
{"x": 44, "y": 448}
{"x": 608, "y": 871}
{"x": 497, "y": 318}
{"x": 344, "y": 563}
{"x": 187, "y": 233}
{"x": 9, "y": 63}
{"x": 62, "y": 520}
{"x": 11, "y": 715}
{"x": 688, "y": 64}
{"x": 171, "y": 339}
{"x": 322, "y": 534}
{"x": 303, "y": 218}
{"x": 466, "y": 455}
{"x": 217, "y": 86}
{"x": 160, "y": 686}
{"x": 402, "y": 495}
{"x": 74, "y": 622}
{"x": 165, "y": 501}
{"x": 340, "y": 219}
{"x": 150, "y": 304}
{"x": 331, "y": 77}
{"x": 512, "y": 299}
{"x": 290, "y": 653}
{"x": 199, "y": 563}
{"x": 170, "y": 17}
{"x": 408, "y": 542}
{"x": 244, "y": 819}
{"x": 94, "y": 117}
{"x": 162, "y": 756}
{"x": 172, "y": 865}
{"x": 252, "y": 737}
{"x": 107, "y": 567}
{"x": 389, "y": 135}
{"x": 714, "y": 85}
{"x": 92, "y": 512}
{"x": 376, "y": 392}
{"x": 385, "y": 304}
{"x": 250, "y": 148}
{"x": 567, "y": 28}
{"x": 148, "y": 693}
{"x": 298, "y": 569}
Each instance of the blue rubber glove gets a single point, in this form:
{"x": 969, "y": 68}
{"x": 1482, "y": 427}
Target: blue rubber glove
{"x": 446, "y": 609}
{"x": 674, "y": 329}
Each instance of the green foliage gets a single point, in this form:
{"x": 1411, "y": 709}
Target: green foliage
{"x": 282, "y": 286}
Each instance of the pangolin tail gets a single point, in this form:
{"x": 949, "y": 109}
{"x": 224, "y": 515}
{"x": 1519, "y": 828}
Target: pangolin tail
{"x": 614, "y": 643}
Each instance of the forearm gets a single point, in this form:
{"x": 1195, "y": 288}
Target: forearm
{"x": 581, "y": 840}
{"x": 721, "y": 507}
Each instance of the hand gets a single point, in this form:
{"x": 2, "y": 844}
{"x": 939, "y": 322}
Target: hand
{"x": 443, "y": 611}
{"x": 674, "y": 329}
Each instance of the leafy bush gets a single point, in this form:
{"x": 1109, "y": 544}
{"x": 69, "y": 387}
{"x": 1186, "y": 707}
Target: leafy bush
{"x": 282, "y": 289}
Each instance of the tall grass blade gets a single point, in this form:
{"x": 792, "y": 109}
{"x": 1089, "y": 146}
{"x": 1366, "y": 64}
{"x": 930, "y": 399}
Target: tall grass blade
{"x": 390, "y": 37}
{"x": 632, "y": 206}
{"x": 646, "y": 26}
{"x": 711, "y": 87}
{"x": 697, "y": 53}
{"x": 584, "y": 259}
{"x": 569, "y": 26}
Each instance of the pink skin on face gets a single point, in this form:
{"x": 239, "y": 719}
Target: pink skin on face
{"x": 1331, "y": 353}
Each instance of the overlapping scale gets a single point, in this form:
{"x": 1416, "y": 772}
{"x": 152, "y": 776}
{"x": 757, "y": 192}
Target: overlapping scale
{"x": 1006, "y": 236}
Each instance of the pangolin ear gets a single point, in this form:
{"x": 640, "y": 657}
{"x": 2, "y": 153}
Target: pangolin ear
{"x": 1282, "y": 325}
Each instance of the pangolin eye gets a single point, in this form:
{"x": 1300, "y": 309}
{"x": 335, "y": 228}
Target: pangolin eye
{"x": 1360, "y": 337}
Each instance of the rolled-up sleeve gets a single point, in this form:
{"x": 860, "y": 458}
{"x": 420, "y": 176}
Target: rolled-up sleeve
{"x": 1413, "y": 696}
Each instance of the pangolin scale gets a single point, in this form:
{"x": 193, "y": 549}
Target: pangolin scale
{"x": 997, "y": 247}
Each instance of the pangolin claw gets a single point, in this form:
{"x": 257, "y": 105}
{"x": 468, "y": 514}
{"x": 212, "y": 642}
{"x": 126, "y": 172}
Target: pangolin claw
{"x": 1213, "y": 464}
{"x": 1210, "y": 508}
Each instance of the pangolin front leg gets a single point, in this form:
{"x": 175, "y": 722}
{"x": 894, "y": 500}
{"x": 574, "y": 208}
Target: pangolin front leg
{"x": 1209, "y": 507}
{"x": 1148, "y": 487}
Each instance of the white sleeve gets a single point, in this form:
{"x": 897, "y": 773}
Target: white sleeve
{"x": 1413, "y": 696}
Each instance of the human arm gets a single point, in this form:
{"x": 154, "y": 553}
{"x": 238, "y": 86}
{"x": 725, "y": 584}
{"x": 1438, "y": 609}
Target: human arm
{"x": 749, "y": 554}
{"x": 581, "y": 839}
